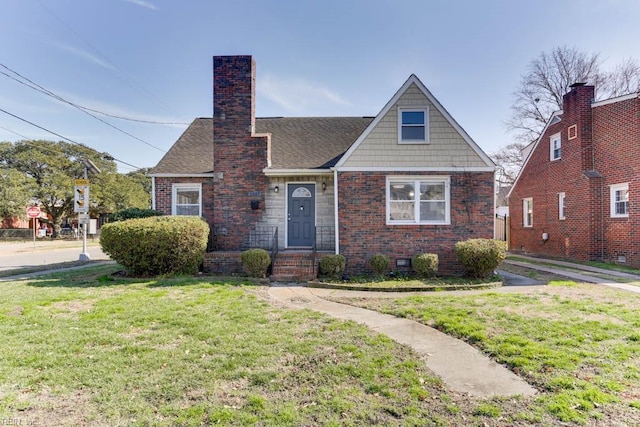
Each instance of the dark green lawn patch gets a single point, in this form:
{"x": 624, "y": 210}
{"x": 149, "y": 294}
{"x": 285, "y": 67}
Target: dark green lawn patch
{"x": 576, "y": 343}
{"x": 408, "y": 283}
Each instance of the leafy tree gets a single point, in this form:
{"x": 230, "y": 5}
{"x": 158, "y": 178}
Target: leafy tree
{"x": 15, "y": 193}
{"x": 49, "y": 169}
{"x": 548, "y": 78}
{"x": 141, "y": 176}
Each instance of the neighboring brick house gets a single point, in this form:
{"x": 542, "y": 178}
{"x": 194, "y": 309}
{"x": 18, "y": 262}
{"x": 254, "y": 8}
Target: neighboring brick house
{"x": 575, "y": 196}
{"x": 406, "y": 181}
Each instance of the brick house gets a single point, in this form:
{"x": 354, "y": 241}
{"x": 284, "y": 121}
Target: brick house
{"x": 406, "y": 181}
{"x": 574, "y": 195}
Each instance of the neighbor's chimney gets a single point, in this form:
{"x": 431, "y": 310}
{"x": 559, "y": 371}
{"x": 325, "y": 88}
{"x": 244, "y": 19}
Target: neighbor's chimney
{"x": 576, "y": 111}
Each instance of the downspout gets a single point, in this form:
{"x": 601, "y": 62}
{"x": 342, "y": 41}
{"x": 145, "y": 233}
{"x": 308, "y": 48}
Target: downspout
{"x": 335, "y": 211}
{"x": 153, "y": 193}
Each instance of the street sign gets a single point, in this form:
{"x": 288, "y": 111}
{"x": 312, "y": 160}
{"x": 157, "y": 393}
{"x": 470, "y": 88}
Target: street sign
{"x": 33, "y": 212}
{"x": 81, "y": 198}
{"x": 83, "y": 218}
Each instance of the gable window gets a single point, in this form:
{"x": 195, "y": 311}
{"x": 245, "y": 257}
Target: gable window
{"x": 619, "y": 200}
{"x": 555, "y": 145}
{"x": 413, "y": 126}
{"x": 419, "y": 200}
{"x": 527, "y": 212}
{"x": 562, "y": 206}
{"x": 187, "y": 199}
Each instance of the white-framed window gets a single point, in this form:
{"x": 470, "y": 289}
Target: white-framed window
{"x": 562, "y": 206}
{"x": 418, "y": 200}
{"x": 555, "y": 147}
{"x": 619, "y": 200}
{"x": 413, "y": 125}
{"x": 186, "y": 199}
{"x": 527, "y": 212}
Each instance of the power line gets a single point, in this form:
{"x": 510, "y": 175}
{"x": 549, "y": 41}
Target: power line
{"x": 59, "y": 136}
{"x": 35, "y": 86}
{"x": 47, "y": 92}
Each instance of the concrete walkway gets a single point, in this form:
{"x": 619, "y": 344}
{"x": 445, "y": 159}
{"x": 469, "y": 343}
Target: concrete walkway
{"x": 578, "y": 272}
{"x": 462, "y": 367}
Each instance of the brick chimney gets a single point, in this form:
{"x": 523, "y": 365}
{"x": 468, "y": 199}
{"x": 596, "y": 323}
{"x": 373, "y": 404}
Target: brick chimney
{"x": 238, "y": 156}
{"x": 576, "y": 110}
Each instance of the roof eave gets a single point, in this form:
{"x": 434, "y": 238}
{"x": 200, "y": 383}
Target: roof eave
{"x": 295, "y": 172}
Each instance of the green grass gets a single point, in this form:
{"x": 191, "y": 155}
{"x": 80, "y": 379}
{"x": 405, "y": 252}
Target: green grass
{"x": 412, "y": 283}
{"x": 90, "y": 348}
{"x": 578, "y": 344}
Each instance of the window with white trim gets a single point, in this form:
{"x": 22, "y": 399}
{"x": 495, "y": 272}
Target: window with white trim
{"x": 418, "y": 200}
{"x": 413, "y": 125}
{"x": 186, "y": 199}
{"x": 555, "y": 147}
{"x": 562, "y": 206}
{"x": 619, "y": 200}
{"x": 527, "y": 212}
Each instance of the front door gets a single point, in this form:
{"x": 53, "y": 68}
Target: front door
{"x": 301, "y": 216}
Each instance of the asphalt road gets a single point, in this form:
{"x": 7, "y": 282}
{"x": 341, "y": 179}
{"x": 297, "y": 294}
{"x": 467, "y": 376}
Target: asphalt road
{"x": 45, "y": 252}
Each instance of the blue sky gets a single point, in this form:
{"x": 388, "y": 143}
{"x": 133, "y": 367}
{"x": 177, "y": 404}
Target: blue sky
{"x": 151, "y": 60}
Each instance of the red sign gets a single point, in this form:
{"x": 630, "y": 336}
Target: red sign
{"x": 33, "y": 212}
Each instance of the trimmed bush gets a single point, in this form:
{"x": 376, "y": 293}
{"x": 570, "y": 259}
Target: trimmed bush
{"x": 425, "y": 265}
{"x": 255, "y": 262}
{"x": 480, "y": 257}
{"x": 162, "y": 245}
{"x": 133, "y": 213}
{"x": 332, "y": 265}
{"x": 380, "y": 263}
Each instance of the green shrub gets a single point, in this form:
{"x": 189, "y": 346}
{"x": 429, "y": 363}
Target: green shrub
{"x": 255, "y": 262}
{"x": 133, "y": 213}
{"x": 380, "y": 263}
{"x": 480, "y": 257}
{"x": 332, "y": 265}
{"x": 425, "y": 265}
{"x": 162, "y": 245}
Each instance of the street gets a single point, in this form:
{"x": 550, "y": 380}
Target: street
{"x": 45, "y": 252}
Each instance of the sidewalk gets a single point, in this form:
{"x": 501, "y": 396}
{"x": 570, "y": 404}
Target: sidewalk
{"x": 578, "y": 272}
{"x": 462, "y": 367}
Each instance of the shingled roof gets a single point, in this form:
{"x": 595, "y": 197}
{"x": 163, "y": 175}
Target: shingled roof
{"x": 296, "y": 143}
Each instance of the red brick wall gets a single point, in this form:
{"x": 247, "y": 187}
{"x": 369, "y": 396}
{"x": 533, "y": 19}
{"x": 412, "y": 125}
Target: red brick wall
{"x": 239, "y": 158}
{"x": 223, "y": 263}
{"x": 164, "y": 187}
{"x": 604, "y": 152}
{"x": 543, "y": 179}
{"x": 617, "y": 154}
{"x": 363, "y": 229}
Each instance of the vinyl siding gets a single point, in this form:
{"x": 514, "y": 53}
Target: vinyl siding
{"x": 446, "y": 147}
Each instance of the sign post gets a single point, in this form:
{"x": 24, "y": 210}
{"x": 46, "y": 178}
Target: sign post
{"x": 33, "y": 212}
{"x": 81, "y": 207}
{"x": 81, "y": 203}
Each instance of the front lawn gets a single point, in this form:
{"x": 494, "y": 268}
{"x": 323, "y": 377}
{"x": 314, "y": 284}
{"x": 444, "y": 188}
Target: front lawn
{"x": 579, "y": 344}
{"x": 88, "y": 348}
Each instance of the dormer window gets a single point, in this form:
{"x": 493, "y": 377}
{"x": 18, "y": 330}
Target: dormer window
{"x": 413, "y": 125}
{"x": 555, "y": 147}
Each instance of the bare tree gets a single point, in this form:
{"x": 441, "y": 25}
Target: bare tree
{"x": 548, "y": 78}
{"x": 508, "y": 162}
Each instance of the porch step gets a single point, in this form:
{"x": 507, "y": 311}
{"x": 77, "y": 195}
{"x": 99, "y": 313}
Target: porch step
{"x": 294, "y": 267}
